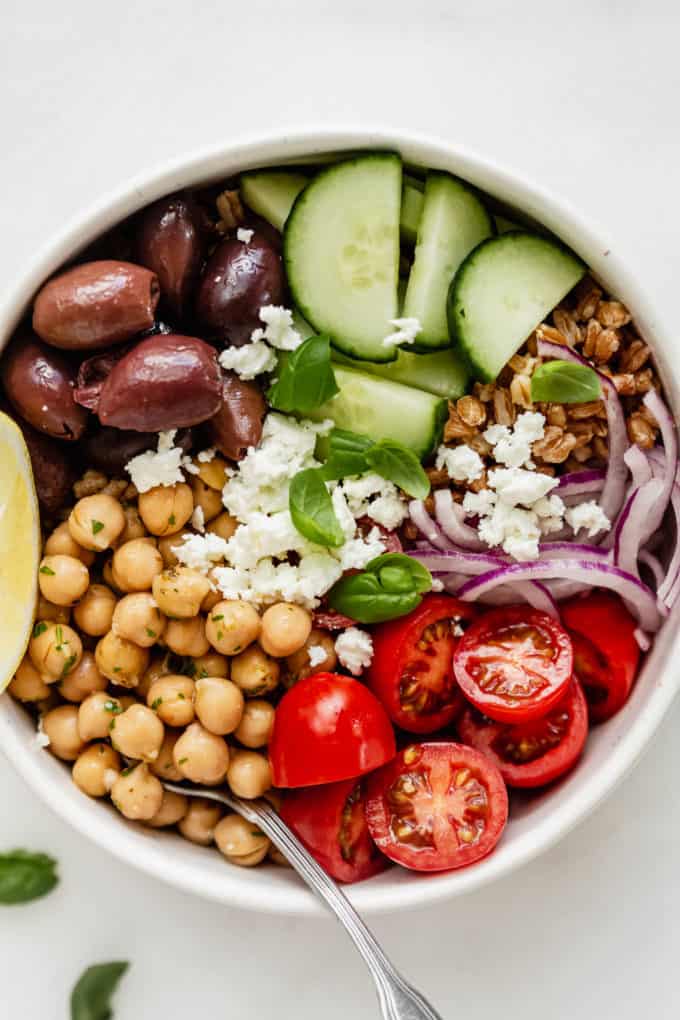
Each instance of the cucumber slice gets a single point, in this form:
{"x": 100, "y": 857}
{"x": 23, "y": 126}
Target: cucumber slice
{"x": 453, "y": 222}
{"x": 341, "y": 251}
{"x": 271, "y": 193}
{"x": 504, "y": 226}
{"x": 382, "y": 409}
{"x": 443, "y": 373}
{"x": 411, "y": 208}
{"x": 502, "y": 291}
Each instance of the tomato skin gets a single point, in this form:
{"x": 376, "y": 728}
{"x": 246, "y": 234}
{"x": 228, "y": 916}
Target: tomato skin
{"x": 328, "y": 727}
{"x": 437, "y": 774}
{"x": 488, "y": 737}
{"x": 505, "y": 650}
{"x": 394, "y": 647}
{"x": 606, "y": 654}
{"x": 317, "y": 817}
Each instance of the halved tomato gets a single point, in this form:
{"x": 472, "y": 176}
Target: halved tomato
{"x": 532, "y": 753}
{"x": 437, "y": 806}
{"x": 331, "y": 822}
{"x": 514, "y": 663}
{"x": 412, "y": 668}
{"x": 606, "y": 654}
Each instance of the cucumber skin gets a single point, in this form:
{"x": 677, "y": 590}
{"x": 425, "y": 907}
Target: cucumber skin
{"x": 477, "y": 371}
{"x": 385, "y": 372}
{"x": 252, "y": 177}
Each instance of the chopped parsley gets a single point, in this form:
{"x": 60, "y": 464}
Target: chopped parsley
{"x": 47, "y": 570}
{"x": 129, "y": 769}
{"x": 155, "y": 704}
{"x": 216, "y": 618}
{"x": 39, "y": 629}
{"x": 114, "y": 708}
{"x": 182, "y": 761}
{"x": 172, "y": 519}
{"x": 97, "y": 526}
{"x": 150, "y": 633}
{"x": 68, "y": 665}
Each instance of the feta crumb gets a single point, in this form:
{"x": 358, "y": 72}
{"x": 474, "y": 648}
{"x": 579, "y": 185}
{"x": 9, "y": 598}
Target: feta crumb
{"x": 462, "y": 463}
{"x": 437, "y": 585}
{"x": 278, "y": 329}
{"x": 495, "y": 433}
{"x": 41, "y": 738}
{"x": 198, "y": 519}
{"x": 372, "y": 496}
{"x": 242, "y": 234}
{"x": 515, "y": 485}
{"x": 354, "y": 649}
{"x": 253, "y": 359}
{"x": 479, "y": 503}
{"x": 201, "y": 552}
{"x": 160, "y": 467}
{"x": 189, "y": 466}
{"x": 388, "y": 509}
{"x": 205, "y": 456}
{"x": 589, "y": 516}
{"x": 405, "y": 332}
{"x": 316, "y": 655}
{"x": 457, "y": 630}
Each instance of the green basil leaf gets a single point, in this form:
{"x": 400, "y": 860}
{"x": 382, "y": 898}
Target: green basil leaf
{"x": 306, "y": 378}
{"x": 311, "y": 508}
{"x": 420, "y": 575}
{"x": 563, "y": 382}
{"x": 391, "y": 586}
{"x": 346, "y": 454}
{"x": 396, "y": 579}
{"x": 91, "y": 997}
{"x": 26, "y": 876}
{"x": 400, "y": 465}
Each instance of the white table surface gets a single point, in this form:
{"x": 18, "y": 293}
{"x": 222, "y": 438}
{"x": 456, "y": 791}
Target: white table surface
{"x": 582, "y": 97}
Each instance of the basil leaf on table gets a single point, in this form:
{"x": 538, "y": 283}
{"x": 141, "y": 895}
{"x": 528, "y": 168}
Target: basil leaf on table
{"x": 400, "y": 465}
{"x": 311, "y": 509}
{"x": 91, "y": 997}
{"x": 306, "y": 378}
{"x": 562, "y": 382}
{"x": 26, "y": 876}
{"x": 391, "y": 586}
{"x": 346, "y": 454}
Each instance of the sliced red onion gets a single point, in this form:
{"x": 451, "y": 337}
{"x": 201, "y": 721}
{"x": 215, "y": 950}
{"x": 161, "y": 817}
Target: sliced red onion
{"x": 450, "y": 518}
{"x": 654, "y": 567}
{"x": 534, "y": 594}
{"x": 455, "y": 560}
{"x": 569, "y": 550}
{"x": 426, "y": 525}
{"x": 655, "y": 404}
{"x": 638, "y": 465}
{"x": 673, "y": 569}
{"x": 580, "y": 483}
{"x": 644, "y": 641}
{"x": 589, "y": 572}
{"x": 631, "y": 524}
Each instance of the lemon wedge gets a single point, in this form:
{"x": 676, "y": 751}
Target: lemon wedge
{"x": 19, "y": 548}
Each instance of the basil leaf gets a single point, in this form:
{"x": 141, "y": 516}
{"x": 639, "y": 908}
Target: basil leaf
{"x": 311, "y": 508}
{"x": 563, "y": 382}
{"x": 391, "y": 586}
{"x": 91, "y": 997}
{"x": 306, "y": 378}
{"x": 346, "y": 454}
{"x": 400, "y": 465}
{"x": 26, "y": 876}
{"x": 420, "y": 575}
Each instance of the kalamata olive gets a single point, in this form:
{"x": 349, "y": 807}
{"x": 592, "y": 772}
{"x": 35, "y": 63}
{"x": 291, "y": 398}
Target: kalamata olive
{"x": 53, "y": 469}
{"x": 109, "y": 450}
{"x": 92, "y": 375}
{"x": 96, "y": 304}
{"x": 164, "y": 382}
{"x": 238, "y": 423}
{"x": 237, "y": 281}
{"x": 170, "y": 243}
{"x": 39, "y": 384}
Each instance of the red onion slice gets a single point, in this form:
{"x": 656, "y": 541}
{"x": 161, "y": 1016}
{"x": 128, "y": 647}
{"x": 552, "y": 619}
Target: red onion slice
{"x": 424, "y": 523}
{"x": 655, "y": 404}
{"x": 580, "y": 483}
{"x": 654, "y": 567}
{"x": 450, "y": 518}
{"x": 638, "y": 465}
{"x": 458, "y": 561}
{"x": 631, "y": 524}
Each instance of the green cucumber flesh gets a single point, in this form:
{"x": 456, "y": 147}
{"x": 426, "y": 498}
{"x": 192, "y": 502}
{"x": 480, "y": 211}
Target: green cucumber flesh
{"x": 502, "y": 291}
{"x": 443, "y": 373}
{"x": 341, "y": 252}
{"x": 271, "y": 193}
{"x": 453, "y": 222}
{"x": 411, "y": 208}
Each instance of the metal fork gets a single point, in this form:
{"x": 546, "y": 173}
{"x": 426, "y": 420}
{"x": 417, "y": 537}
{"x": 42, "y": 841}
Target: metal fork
{"x": 398, "y": 999}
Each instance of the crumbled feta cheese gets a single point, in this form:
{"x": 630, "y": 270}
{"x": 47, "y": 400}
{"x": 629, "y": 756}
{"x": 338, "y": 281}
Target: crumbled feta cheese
{"x": 160, "y": 467}
{"x": 589, "y": 516}
{"x": 278, "y": 329}
{"x": 462, "y": 463}
{"x": 437, "y": 585}
{"x": 457, "y": 630}
{"x": 479, "y": 503}
{"x": 189, "y": 466}
{"x": 41, "y": 739}
{"x": 201, "y": 552}
{"x": 372, "y": 496}
{"x": 242, "y": 234}
{"x": 198, "y": 519}
{"x": 354, "y": 649}
{"x": 359, "y": 490}
{"x": 405, "y": 332}
{"x": 205, "y": 456}
{"x": 357, "y": 552}
{"x": 515, "y": 485}
{"x": 316, "y": 655}
{"x": 253, "y": 359}
{"x": 343, "y": 512}
{"x": 389, "y": 510}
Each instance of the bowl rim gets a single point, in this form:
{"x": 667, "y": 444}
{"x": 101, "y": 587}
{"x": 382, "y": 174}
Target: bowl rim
{"x": 218, "y": 161}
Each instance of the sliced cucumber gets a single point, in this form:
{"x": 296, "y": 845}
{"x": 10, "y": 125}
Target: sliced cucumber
{"x": 341, "y": 250}
{"x": 382, "y": 409}
{"x": 271, "y": 193}
{"x": 411, "y": 208}
{"x": 504, "y": 226}
{"x": 453, "y": 222}
{"x": 443, "y": 373}
{"x": 502, "y": 291}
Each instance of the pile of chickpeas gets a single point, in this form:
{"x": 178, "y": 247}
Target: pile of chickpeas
{"x": 140, "y": 671}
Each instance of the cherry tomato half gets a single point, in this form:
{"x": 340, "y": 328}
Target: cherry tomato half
{"x": 412, "y": 668}
{"x": 606, "y": 654}
{"x": 331, "y": 822}
{"x": 532, "y": 753}
{"x": 514, "y": 663}
{"x": 436, "y": 806}
{"x": 326, "y": 728}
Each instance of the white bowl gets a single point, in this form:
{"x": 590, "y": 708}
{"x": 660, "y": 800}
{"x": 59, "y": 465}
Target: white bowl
{"x": 538, "y": 822}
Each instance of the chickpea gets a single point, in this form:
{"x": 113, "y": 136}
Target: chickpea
{"x": 172, "y": 810}
{"x": 187, "y": 637}
{"x": 209, "y": 500}
{"x": 27, "y": 684}
{"x": 61, "y": 726}
{"x": 166, "y": 545}
{"x": 54, "y": 650}
{"x": 63, "y": 579}
{"x": 225, "y": 525}
{"x": 137, "y": 618}
{"x": 172, "y": 699}
{"x": 240, "y": 842}
{"x": 120, "y": 660}
{"x": 164, "y": 766}
{"x": 108, "y": 576}
{"x": 135, "y": 565}
{"x": 96, "y": 770}
{"x": 61, "y": 543}
{"x": 94, "y": 612}
{"x": 211, "y": 664}
{"x": 298, "y": 665}
{"x": 137, "y": 733}
{"x": 165, "y": 509}
{"x": 212, "y": 472}
{"x": 159, "y": 667}
{"x": 96, "y": 715}
{"x": 83, "y": 680}
{"x": 255, "y": 728}
{"x": 134, "y": 526}
{"x": 198, "y": 824}
{"x": 249, "y": 774}
{"x": 201, "y": 756}
{"x": 47, "y": 610}
{"x": 96, "y": 522}
{"x": 179, "y": 591}
{"x": 254, "y": 672}
{"x": 275, "y": 855}
{"x": 214, "y": 595}
{"x": 285, "y": 628}
{"x": 219, "y": 704}
{"x": 137, "y": 794}
{"x": 232, "y": 626}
